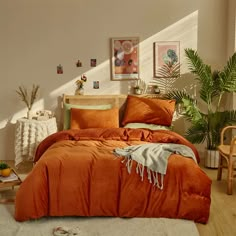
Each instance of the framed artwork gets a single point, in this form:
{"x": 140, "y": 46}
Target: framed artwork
{"x": 93, "y": 62}
{"x": 166, "y": 63}
{"x": 125, "y": 58}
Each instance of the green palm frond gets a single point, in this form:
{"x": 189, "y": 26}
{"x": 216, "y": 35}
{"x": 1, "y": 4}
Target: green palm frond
{"x": 178, "y": 96}
{"x": 169, "y": 70}
{"x": 228, "y": 75}
{"x": 197, "y": 133}
{"x": 197, "y": 66}
{"x": 191, "y": 111}
{"x": 203, "y": 72}
{"x": 216, "y": 122}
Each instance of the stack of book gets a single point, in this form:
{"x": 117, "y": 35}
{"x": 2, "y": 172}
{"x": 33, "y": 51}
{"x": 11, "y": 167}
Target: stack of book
{"x": 11, "y": 177}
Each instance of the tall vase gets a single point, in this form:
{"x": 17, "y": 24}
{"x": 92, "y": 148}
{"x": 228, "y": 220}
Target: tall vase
{"x": 29, "y": 114}
{"x": 79, "y": 91}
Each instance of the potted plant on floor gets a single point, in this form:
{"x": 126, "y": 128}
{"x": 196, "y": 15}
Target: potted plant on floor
{"x": 206, "y": 126}
{"x": 5, "y": 169}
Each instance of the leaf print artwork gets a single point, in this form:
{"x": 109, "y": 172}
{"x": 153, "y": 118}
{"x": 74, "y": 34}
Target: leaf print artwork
{"x": 166, "y": 60}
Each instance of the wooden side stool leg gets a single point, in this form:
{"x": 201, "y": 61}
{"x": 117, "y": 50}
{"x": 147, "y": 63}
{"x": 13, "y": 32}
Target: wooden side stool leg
{"x": 219, "y": 172}
{"x": 230, "y": 178}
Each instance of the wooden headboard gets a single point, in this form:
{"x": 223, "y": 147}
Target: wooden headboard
{"x": 114, "y": 100}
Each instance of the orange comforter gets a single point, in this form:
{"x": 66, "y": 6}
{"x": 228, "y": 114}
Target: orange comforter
{"x": 77, "y": 174}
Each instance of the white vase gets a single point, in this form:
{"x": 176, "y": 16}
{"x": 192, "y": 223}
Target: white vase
{"x": 137, "y": 91}
{"x": 211, "y": 158}
{"x": 29, "y": 114}
{"x": 79, "y": 91}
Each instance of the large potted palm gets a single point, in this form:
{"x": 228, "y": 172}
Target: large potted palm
{"x": 206, "y": 126}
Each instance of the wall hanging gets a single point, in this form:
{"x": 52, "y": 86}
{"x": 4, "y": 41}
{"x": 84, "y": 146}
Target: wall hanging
{"x": 96, "y": 84}
{"x": 93, "y": 62}
{"x": 59, "y": 69}
{"x": 125, "y": 58}
{"x": 79, "y": 63}
{"x": 166, "y": 59}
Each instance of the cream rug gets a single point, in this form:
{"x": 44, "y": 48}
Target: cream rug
{"x": 93, "y": 226}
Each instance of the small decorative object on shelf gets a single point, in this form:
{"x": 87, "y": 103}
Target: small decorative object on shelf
{"x": 80, "y": 85}
{"x": 137, "y": 90}
{"x": 9, "y": 178}
{"x": 140, "y": 87}
{"x": 44, "y": 115}
{"x": 5, "y": 169}
{"x": 156, "y": 89}
{"x": 28, "y": 99}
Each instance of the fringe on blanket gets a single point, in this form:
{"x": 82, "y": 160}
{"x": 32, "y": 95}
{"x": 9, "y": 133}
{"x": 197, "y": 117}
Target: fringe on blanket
{"x": 152, "y": 175}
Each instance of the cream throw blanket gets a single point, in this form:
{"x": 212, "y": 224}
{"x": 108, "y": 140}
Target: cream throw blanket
{"x": 154, "y": 156}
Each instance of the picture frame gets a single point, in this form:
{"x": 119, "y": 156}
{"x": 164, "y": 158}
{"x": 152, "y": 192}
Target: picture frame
{"x": 125, "y": 58}
{"x": 166, "y": 63}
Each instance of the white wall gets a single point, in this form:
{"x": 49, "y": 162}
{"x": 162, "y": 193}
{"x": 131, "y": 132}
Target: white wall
{"x": 38, "y": 35}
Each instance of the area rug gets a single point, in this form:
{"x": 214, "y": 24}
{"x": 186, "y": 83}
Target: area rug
{"x": 93, "y": 226}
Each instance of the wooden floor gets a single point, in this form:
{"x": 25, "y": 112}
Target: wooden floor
{"x": 222, "y": 221}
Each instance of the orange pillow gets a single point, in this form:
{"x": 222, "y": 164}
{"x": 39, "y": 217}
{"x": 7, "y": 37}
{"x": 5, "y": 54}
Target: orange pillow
{"x": 85, "y": 118}
{"x": 149, "y": 110}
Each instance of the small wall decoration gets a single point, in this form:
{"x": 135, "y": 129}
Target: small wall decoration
{"x": 124, "y": 58}
{"x": 59, "y": 69}
{"x": 79, "y": 63}
{"x": 166, "y": 59}
{"x": 96, "y": 84}
{"x": 93, "y": 62}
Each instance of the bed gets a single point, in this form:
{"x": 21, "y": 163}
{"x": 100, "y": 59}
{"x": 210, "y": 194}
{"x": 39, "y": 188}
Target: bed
{"x": 94, "y": 166}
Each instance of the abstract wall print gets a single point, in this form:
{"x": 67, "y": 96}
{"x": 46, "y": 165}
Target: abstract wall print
{"x": 166, "y": 59}
{"x": 125, "y": 58}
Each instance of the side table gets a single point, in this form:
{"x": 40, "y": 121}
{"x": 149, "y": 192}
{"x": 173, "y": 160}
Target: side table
{"x": 29, "y": 133}
{"x": 10, "y": 184}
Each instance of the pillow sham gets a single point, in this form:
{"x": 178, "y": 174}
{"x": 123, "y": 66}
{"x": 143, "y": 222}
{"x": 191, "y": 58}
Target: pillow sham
{"x": 147, "y": 126}
{"x": 148, "y": 110}
{"x": 67, "y": 107}
{"x": 83, "y": 118}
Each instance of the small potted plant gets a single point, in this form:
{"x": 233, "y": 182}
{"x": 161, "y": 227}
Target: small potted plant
{"x": 156, "y": 89}
{"x": 5, "y": 169}
{"x": 137, "y": 90}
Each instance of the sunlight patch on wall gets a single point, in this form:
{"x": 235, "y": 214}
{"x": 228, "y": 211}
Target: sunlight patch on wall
{"x": 185, "y": 31}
